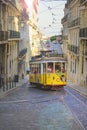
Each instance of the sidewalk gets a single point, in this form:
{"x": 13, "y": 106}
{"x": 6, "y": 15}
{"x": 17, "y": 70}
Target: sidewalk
{"x": 82, "y": 90}
{"x": 22, "y": 81}
{"x": 18, "y": 84}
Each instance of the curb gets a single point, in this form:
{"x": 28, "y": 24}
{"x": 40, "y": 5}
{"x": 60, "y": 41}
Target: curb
{"x": 13, "y": 89}
{"x": 8, "y": 92}
{"x": 79, "y": 91}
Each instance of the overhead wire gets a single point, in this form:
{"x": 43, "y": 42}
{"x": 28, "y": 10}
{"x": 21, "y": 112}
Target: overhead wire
{"x": 52, "y": 8}
{"x": 53, "y": 20}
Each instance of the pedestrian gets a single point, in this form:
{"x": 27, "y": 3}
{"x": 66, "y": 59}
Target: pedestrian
{"x": 49, "y": 69}
{"x": 22, "y": 76}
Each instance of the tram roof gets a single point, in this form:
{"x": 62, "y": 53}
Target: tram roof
{"x": 45, "y": 59}
{"x": 53, "y": 47}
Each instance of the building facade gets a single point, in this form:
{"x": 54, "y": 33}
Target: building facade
{"x": 74, "y": 23}
{"x": 13, "y": 45}
{"x": 9, "y": 39}
{"x": 35, "y": 34}
{"x": 83, "y": 43}
{"x": 65, "y": 30}
{"x": 3, "y": 44}
{"x": 23, "y": 61}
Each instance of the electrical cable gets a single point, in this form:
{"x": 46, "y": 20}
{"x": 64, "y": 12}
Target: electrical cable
{"x": 53, "y": 21}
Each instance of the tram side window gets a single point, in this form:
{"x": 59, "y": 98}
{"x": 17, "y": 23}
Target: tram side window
{"x": 50, "y": 67}
{"x": 35, "y": 68}
{"x": 57, "y": 67}
{"x": 31, "y": 68}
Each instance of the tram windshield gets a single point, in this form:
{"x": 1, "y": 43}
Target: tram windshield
{"x": 59, "y": 67}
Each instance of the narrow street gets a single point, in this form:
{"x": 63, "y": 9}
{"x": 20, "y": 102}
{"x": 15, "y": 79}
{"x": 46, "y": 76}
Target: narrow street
{"x": 29, "y": 108}
{"x": 43, "y": 42}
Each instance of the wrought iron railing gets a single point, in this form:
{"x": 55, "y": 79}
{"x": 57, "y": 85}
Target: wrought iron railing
{"x": 64, "y": 19}
{"x": 22, "y": 52}
{"x": 85, "y": 53}
{"x": 3, "y": 35}
{"x": 73, "y": 48}
{"x": 7, "y": 83}
{"x": 70, "y": 1}
{"x": 75, "y": 22}
{"x": 83, "y": 1}
{"x": 13, "y": 34}
{"x": 83, "y": 32}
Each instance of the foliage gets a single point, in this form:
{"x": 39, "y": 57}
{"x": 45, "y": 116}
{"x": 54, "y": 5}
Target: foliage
{"x": 53, "y": 38}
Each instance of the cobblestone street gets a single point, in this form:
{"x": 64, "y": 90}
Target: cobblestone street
{"x": 29, "y": 108}
{"x": 43, "y": 64}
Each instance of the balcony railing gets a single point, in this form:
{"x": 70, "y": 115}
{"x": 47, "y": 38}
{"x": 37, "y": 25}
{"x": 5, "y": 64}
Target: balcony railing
{"x": 23, "y": 52}
{"x": 13, "y": 34}
{"x": 7, "y": 83}
{"x": 83, "y": 33}
{"x": 64, "y": 19}
{"x": 74, "y": 23}
{"x": 3, "y": 35}
{"x": 85, "y": 54}
{"x": 83, "y": 1}
{"x": 65, "y": 37}
{"x": 25, "y": 14}
{"x": 73, "y": 49}
{"x": 70, "y": 1}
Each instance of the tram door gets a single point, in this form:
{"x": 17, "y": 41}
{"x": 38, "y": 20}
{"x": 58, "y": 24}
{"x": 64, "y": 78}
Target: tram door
{"x": 44, "y": 73}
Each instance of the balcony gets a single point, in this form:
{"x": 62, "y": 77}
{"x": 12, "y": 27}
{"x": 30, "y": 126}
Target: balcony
{"x": 83, "y": 1}
{"x": 73, "y": 49}
{"x": 83, "y": 33}
{"x": 64, "y": 19}
{"x": 22, "y": 52}
{"x": 70, "y": 1}
{"x": 13, "y": 35}
{"x": 85, "y": 54}
{"x": 24, "y": 15}
{"x": 74, "y": 23}
{"x": 65, "y": 37}
{"x": 3, "y": 35}
{"x": 7, "y": 82}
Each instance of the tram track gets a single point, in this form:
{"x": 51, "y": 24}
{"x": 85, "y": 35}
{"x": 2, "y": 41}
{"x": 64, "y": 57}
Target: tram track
{"x": 32, "y": 101}
{"x": 39, "y": 99}
{"x": 36, "y": 99}
{"x": 78, "y": 105}
{"x": 74, "y": 115}
{"x": 77, "y": 96}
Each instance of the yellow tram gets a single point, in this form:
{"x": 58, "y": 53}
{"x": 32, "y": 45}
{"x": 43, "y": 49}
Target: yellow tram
{"x": 48, "y": 71}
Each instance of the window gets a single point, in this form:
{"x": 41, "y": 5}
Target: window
{"x": 75, "y": 65}
{"x": 58, "y": 67}
{"x": 50, "y": 67}
{"x": 82, "y": 64}
{"x": 63, "y": 67}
